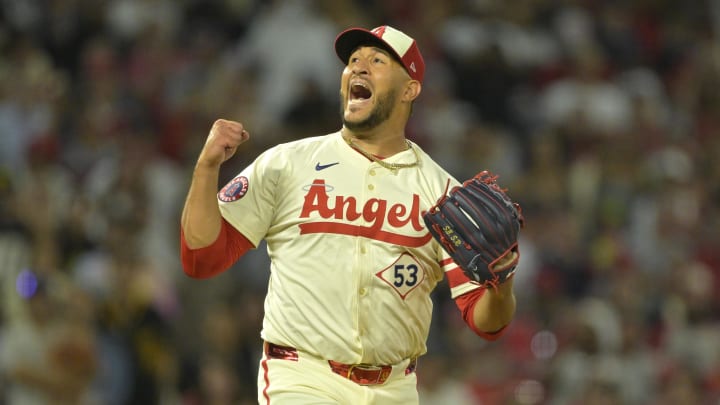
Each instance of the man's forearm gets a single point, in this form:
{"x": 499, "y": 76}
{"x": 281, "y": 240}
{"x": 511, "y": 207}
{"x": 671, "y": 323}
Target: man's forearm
{"x": 496, "y": 308}
{"x": 201, "y": 217}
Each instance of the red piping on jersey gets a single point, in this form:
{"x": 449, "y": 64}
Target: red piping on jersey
{"x": 368, "y": 232}
{"x": 266, "y": 377}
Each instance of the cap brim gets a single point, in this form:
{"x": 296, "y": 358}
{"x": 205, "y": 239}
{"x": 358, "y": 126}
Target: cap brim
{"x": 348, "y": 40}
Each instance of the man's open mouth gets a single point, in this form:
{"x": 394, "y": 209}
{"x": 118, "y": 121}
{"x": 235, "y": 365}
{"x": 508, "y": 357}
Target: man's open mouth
{"x": 359, "y": 92}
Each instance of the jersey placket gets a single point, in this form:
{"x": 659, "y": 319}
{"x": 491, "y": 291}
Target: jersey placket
{"x": 365, "y": 258}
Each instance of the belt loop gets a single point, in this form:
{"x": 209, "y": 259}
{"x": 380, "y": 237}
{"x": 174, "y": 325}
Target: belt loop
{"x": 274, "y": 351}
{"x": 411, "y": 366}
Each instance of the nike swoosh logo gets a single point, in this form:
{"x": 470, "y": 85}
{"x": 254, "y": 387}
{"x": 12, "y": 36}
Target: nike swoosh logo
{"x": 319, "y": 167}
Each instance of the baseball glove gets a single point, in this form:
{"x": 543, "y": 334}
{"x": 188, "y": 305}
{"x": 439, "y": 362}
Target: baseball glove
{"x": 478, "y": 224}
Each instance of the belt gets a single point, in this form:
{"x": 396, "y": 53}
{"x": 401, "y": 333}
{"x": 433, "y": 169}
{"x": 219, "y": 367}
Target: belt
{"x": 362, "y": 374}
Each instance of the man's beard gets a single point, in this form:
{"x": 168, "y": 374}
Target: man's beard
{"x": 380, "y": 113}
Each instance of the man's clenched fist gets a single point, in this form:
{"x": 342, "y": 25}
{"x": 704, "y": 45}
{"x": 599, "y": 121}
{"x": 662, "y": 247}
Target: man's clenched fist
{"x": 222, "y": 142}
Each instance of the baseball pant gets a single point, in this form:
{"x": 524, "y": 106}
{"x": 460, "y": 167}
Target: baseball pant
{"x": 290, "y": 377}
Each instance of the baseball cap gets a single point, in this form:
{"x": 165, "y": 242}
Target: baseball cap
{"x": 402, "y": 46}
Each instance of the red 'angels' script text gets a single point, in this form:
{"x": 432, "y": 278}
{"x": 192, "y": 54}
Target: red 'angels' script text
{"x": 375, "y": 211}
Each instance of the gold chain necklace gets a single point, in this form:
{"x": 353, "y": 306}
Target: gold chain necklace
{"x": 390, "y": 166}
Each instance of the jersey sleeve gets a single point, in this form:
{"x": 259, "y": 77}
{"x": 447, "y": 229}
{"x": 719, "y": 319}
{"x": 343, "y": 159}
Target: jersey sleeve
{"x": 247, "y": 202}
{"x": 466, "y": 294}
{"x": 214, "y": 259}
{"x": 466, "y": 305}
{"x": 457, "y": 280}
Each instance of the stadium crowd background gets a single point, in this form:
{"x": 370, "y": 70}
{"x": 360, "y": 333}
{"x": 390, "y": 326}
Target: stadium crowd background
{"x": 602, "y": 118}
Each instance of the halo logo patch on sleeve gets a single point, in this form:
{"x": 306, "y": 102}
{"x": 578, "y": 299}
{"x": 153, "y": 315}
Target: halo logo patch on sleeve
{"x": 234, "y": 190}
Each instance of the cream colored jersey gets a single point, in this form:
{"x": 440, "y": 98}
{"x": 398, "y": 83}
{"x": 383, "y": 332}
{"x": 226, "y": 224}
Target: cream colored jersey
{"x": 352, "y": 264}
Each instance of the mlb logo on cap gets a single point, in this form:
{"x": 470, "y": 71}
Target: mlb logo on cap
{"x": 403, "y": 47}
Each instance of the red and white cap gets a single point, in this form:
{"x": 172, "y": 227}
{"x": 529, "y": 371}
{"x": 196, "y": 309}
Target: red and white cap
{"x": 397, "y": 42}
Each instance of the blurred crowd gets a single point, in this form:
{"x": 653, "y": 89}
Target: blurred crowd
{"x": 602, "y": 118}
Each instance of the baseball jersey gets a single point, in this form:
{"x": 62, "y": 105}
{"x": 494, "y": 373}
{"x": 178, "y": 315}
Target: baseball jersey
{"x": 352, "y": 264}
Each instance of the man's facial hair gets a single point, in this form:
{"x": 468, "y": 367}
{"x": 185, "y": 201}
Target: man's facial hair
{"x": 380, "y": 113}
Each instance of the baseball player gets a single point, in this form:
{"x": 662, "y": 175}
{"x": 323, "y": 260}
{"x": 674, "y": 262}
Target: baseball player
{"x": 348, "y": 306}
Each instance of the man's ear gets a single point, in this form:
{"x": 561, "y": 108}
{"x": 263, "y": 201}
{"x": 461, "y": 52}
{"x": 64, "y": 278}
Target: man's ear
{"x": 412, "y": 90}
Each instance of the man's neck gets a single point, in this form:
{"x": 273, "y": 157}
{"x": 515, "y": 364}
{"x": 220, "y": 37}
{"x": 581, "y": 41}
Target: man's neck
{"x": 380, "y": 144}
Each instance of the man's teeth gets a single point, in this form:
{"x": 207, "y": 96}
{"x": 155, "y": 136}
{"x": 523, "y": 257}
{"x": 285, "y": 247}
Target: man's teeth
{"x": 359, "y": 91}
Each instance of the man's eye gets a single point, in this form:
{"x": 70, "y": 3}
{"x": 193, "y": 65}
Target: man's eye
{"x": 378, "y": 60}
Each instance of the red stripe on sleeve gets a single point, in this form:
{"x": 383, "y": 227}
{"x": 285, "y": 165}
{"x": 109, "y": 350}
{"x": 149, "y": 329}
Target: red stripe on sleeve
{"x": 214, "y": 259}
{"x": 456, "y": 277}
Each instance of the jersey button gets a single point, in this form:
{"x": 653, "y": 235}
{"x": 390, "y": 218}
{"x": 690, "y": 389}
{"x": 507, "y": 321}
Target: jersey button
{"x": 371, "y": 187}
{"x": 372, "y": 172}
{"x": 363, "y": 292}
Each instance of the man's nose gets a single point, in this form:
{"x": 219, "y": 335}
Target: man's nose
{"x": 359, "y": 67}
